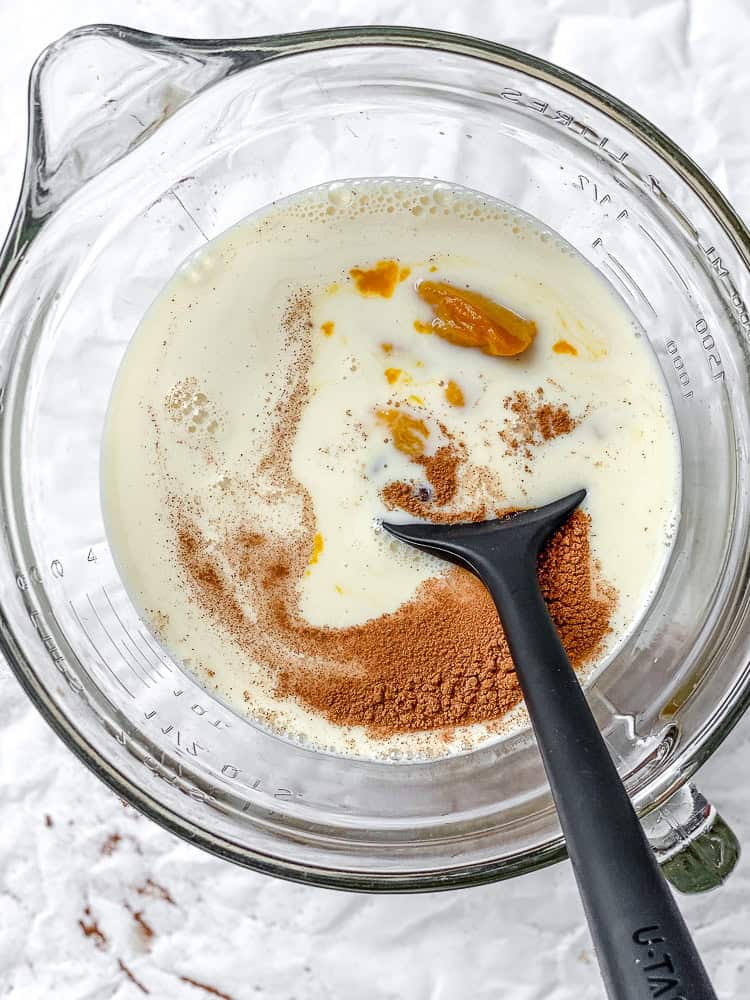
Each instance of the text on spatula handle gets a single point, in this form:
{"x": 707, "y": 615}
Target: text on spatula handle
{"x": 660, "y": 972}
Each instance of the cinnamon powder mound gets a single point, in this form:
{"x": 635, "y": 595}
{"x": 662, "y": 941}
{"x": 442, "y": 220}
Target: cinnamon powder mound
{"x": 440, "y": 660}
{"x": 579, "y": 601}
{"x": 534, "y": 421}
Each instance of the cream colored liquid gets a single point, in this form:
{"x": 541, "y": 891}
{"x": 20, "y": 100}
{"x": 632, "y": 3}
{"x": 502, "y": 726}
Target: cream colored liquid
{"x": 197, "y": 390}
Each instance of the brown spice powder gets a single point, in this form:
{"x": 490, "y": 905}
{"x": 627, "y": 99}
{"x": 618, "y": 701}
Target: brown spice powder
{"x": 441, "y": 472}
{"x": 534, "y": 421}
{"x": 443, "y": 660}
{"x": 438, "y": 661}
{"x": 91, "y": 929}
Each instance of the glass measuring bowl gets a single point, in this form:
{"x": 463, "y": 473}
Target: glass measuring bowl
{"x": 143, "y": 147}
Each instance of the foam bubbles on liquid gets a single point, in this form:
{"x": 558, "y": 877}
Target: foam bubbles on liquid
{"x": 418, "y": 197}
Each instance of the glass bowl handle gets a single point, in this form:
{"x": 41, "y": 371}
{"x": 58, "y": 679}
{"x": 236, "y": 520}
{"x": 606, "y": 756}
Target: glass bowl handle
{"x": 100, "y": 90}
{"x": 693, "y": 844}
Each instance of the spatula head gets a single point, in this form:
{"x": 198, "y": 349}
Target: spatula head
{"x": 519, "y": 535}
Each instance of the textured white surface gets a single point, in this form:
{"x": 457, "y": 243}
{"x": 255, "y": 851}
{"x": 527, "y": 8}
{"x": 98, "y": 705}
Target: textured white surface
{"x": 684, "y": 65}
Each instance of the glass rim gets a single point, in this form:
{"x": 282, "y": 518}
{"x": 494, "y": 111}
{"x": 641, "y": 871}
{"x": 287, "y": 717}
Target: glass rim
{"x": 277, "y": 46}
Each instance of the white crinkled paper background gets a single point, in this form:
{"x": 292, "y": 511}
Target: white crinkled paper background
{"x": 186, "y": 926}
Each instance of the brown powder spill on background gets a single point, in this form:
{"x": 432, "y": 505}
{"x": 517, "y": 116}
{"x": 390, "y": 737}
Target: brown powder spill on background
{"x": 211, "y": 990}
{"x": 534, "y": 421}
{"x": 155, "y": 891}
{"x": 111, "y": 844}
{"x": 438, "y": 661}
{"x": 145, "y": 931}
{"x": 91, "y": 928}
{"x": 129, "y": 975}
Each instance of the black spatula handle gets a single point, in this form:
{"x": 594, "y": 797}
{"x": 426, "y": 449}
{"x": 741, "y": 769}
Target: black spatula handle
{"x": 642, "y": 943}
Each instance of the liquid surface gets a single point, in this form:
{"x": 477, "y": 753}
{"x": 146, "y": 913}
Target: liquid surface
{"x": 373, "y": 350}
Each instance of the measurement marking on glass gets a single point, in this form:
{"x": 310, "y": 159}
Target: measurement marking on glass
{"x": 137, "y": 656}
{"x": 131, "y": 637}
{"x": 156, "y": 663}
{"x": 128, "y": 656}
{"x": 708, "y": 344}
{"x": 98, "y": 652}
{"x": 616, "y": 277}
{"x": 679, "y": 366}
{"x": 114, "y": 644}
{"x": 664, "y": 254}
{"x": 633, "y": 282}
{"x": 155, "y": 650}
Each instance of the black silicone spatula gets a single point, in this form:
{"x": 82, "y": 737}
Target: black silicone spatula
{"x": 643, "y": 946}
